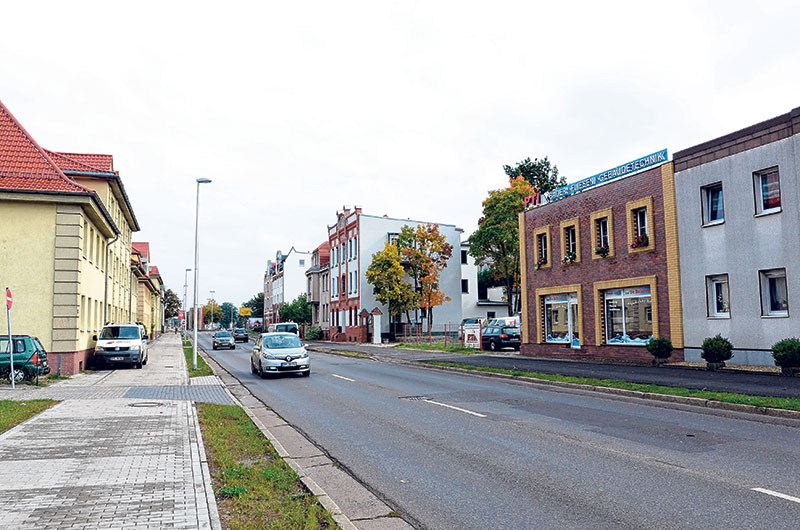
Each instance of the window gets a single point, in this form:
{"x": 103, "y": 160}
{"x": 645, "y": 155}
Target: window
{"x": 344, "y": 258}
{"x": 541, "y": 247}
{"x": 463, "y": 257}
{"x": 344, "y": 284}
{"x": 350, "y": 281}
{"x": 774, "y": 294}
{"x": 640, "y": 220}
{"x": 767, "y": 186}
{"x": 602, "y": 234}
{"x": 302, "y": 262}
{"x": 490, "y": 315}
{"x": 85, "y": 238}
{"x": 628, "y": 315}
{"x": 355, "y": 247}
{"x": 464, "y": 286}
{"x": 391, "y": 237}
{"x": 640, "y": 224}
{"x": 718, "y": 296}
{"x": 570, "y": 246}
{"x": 713, "y": 207}
{"x": 541, "y": 244}
{"x": 569, "y": 236}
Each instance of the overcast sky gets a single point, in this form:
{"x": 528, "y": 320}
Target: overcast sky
{"x": 405, "y": 108}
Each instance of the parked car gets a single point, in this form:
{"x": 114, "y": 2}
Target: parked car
{"x": 287, "y": 327}
{"x": 223, "y": 339}
{"x": 497, "y": 337}
{"x": 29, "y": 357}
{"x": 279, "y": 353}
{"x": 121, "y": 343}
{"x": 240, "y": 334}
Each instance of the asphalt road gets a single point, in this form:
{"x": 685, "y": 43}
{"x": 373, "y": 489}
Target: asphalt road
{"x": 459, "y": 451}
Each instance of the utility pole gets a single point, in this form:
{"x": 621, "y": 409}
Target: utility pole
{"x": 185, "y": 285}
{"x": 212, "y": 308}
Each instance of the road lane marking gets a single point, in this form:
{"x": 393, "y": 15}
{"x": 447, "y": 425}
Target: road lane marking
{"x": 777, "y": 494}
{"x": 345, "y": 378}
{"x": 478, "y": 414}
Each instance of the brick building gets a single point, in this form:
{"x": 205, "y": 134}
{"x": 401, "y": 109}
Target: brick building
{"x": 600, "y": 272}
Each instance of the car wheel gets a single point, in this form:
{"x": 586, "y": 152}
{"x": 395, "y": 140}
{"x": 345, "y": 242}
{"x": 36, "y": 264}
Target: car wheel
{"x": 252, "y": 367}
{"x": 261, "y": 373}
{"x": 492, "y": 345}
{"x": 139, "y": 365}
{"x": 306, "y": 374}
{"x": 516, "y": 348}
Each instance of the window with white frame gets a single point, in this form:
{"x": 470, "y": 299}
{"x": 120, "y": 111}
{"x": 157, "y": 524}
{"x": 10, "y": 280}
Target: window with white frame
{"x": 713, "y": 206}
{"x": 602, "y": 232}
{"x": 718, "y": 294}
{"x": 355, "y": 247}
{"x": 628, "y": 315}
{"x": 570, "y": 239}
{"x": 774, "y": 293}
{"x": 640, "y": 220}
{"x": 767, "y": 190}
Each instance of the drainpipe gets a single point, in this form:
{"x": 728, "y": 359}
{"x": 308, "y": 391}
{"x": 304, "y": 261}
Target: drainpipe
{"x": 130, "y": 299}
{"x": 105, "y": 289}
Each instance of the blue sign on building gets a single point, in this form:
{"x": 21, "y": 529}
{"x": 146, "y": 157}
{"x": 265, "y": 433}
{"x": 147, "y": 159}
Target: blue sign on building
{"x": 659, "y": 157}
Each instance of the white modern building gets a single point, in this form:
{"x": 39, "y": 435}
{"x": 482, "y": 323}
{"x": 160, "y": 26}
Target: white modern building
{"x": 284, "y": 281}
{"x": 478, "y": 301}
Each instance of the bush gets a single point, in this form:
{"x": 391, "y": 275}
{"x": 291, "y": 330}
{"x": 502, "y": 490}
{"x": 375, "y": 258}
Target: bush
{"x": 716, "y": 349}
{"x": 786, "y": 353}
{"x": 660, "y": 347}
{"x": 313, "y": 333}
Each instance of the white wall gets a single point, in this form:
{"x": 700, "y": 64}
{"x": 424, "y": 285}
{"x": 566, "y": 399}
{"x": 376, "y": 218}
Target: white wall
{"x": 294, "y": 275}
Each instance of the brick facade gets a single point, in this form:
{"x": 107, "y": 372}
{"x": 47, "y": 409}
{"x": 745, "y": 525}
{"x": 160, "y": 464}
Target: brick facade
{"x": 654, "y": 265}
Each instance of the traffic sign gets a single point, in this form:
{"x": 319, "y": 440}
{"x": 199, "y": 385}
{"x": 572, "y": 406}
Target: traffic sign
{"x": 9, "y": 298}
{"x": 245, "y": 312}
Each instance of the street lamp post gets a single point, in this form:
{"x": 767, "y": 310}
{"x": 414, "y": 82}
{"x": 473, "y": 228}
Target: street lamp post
{"x": 196, "y": 223}
{"x": 212, "y": 307}
{"x": 185, "y": 285}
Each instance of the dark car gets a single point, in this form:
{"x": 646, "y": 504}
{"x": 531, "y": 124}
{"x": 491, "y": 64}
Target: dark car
{"x": 240, "y": 334}
{"x": 223, "y": 339}
{"x": 496, "y": 337}
{"x": 29, "y": 358}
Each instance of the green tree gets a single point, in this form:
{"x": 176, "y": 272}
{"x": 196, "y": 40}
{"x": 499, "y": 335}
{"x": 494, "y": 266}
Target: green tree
{"x": 230, "y": 312}
{"x": 172, "y": 304}
{"x": 217, "y": 312}
{"x": 541, "y": 174}
{"x": 385, "y": 273}
{"x": 496, "y": 241}
{"x": 256, "y": 304}
{"x": 298, "y": 311}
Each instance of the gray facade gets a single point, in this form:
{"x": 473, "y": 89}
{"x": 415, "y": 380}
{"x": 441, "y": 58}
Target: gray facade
{"x": 740, "y": 256}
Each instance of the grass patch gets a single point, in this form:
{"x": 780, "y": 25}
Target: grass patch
{"x": 203, "y": 368}
{"x": 15, "y": 412}
{"x": 727, "y": 397}
{"x": 255, "y": 488}
{"x": 352, "y": 353}
{"x": 56, "y": 377}
{"x": 437, "y": 346}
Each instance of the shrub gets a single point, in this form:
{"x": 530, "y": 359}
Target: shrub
{"x": 313, "y": 333}
{"x": 786, "y": 353}
{"x": 660, "y": 347}
{"x": 716, "y": 349}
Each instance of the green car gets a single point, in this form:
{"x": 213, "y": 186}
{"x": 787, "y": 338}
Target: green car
{"x": 30, "y": 358}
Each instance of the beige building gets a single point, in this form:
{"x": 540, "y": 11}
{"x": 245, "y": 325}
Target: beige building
{"x": 150, "y": 292}
{"x": 65, "y": 239}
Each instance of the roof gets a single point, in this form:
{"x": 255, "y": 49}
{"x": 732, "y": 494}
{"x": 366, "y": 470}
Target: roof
{"x": 141, "y": 247}
{"x": 154, "y": 271}
{"x": 89, "y": 163}
{"x": 25, "y": 166}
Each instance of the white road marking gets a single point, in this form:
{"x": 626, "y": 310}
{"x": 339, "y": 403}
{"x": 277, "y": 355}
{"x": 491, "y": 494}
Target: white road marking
{"x": 345, "y": 378}
{"x": 777, "y": 494}
{"x": 478, "y": 414}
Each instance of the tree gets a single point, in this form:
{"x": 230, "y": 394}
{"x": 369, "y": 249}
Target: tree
{"x": 540, "y": 174}
{"x": 496, "y": 241}
{"x": 230, "y": 312}
{"x": 256, "y": 304}
{"x": 172, "y": 304}
{"x": 385, "y": 273}
{"x": 218, "y": 314}
{"x": 426, "y": 252}
{"x": 298, "y": 311}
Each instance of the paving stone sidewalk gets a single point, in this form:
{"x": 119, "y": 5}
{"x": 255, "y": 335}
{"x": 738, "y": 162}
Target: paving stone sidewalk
{"x": 123, "y": 450}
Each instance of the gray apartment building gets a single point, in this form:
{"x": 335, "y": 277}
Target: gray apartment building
{"x": 739, "y": 232}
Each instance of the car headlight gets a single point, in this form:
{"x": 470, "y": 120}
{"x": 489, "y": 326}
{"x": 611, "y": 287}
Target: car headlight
{"x": 135, "y": 348}
{"x": 269, "y": 356}
{"x": 304, "y": 355}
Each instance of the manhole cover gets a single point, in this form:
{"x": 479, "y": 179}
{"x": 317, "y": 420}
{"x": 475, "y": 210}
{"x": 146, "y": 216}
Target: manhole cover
{"x": 169, "y": 366}
{"x": 145, "y": 404}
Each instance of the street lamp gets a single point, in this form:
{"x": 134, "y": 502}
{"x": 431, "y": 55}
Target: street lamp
{"x": 185, "y": 285}
{"x": 196, "y": 223}
{"x": 212, "y": 307}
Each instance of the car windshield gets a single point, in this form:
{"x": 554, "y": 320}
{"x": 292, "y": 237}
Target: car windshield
{"x": 276, "y": 342}
{"x": 223, "y": 334}
{"x": 238, "y": 331}
{"x": 120, "y": 332}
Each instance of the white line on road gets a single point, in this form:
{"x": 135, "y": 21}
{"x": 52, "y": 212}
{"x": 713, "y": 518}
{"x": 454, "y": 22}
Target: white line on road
{"x": 345, "y": 378}
{"x": 455, "y": 408}
{"x": 777, "y": 494}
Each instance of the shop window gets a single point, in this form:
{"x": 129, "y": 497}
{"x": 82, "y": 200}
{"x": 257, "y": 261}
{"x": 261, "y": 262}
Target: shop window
{"x": 570, "y": 243}
{"x": 561, "y": 318}
{"x": 713, "y": 206}
{"x": 640, "y": 223}
{"x": 718, "y": 294}
{"x": 541, "y": 247}
{"x": 774, "y": 294}
{"x": 767, "y": 188}
{"x": 628, "y": 315}
{"x": 602, "y": 234}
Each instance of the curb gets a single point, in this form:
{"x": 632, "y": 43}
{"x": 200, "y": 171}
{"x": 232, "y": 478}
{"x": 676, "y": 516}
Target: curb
{"x": 664, "y": 398}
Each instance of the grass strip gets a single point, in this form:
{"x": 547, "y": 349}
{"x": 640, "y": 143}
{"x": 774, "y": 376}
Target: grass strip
{"x": 436, "y": 347}
{"x": 15, "y": 412}
{"x": 254, "y": 487}
{"x": 203, "y": 368}
{"x": 727, "y": 397}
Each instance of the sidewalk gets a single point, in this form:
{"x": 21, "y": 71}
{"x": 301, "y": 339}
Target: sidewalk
{"x": 123, "y": 450}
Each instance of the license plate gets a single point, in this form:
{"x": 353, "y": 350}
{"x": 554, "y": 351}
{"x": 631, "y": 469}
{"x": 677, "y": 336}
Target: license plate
{"x": 117, "y": 358}
{"x": 289, "y": 364}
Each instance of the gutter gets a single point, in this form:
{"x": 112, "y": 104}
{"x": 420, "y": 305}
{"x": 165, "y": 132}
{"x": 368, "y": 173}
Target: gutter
{"x": 105, "y": 288}
{"x": 118, "y": 180}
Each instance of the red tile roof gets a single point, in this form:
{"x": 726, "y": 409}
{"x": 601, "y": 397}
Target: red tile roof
{"x": 154, "y": 271}
{"x": 142, "y": 247}
{"x": 82, "y": 162}
{"x": 24, "y": 165}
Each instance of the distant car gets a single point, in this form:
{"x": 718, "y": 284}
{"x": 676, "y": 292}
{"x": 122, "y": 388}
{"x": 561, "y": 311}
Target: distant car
{"x": 223, "y": 339}
{"x": 240, "y": 334}
{"x": 498, "y": 337}
{"x": 121, "y": 343}
{"x": 275, "y": 353}
{"x": 29, "y": 356}
{"x": 288, "y": 327}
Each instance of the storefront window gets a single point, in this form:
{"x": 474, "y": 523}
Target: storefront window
{"x": 628, "y": 315}
{"x": 561, "y": 319}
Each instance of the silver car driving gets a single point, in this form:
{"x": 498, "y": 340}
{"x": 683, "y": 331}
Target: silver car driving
{"x": 276, "y": 353}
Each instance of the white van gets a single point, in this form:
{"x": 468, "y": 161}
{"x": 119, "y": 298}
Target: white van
{"x": 121, "y": 343}
{"x": 283, "y": 327}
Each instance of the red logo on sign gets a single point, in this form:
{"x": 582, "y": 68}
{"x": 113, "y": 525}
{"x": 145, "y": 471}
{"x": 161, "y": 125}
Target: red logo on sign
{"x": 9, "y": 299}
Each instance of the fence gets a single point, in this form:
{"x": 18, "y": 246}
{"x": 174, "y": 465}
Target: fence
{"x": 415, "y": 334}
